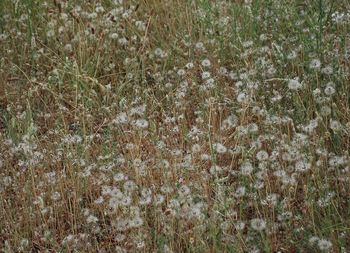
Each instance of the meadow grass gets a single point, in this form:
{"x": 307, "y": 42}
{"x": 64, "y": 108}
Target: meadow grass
{"x": 174, "y": 126}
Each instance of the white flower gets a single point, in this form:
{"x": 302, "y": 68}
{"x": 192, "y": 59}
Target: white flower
{"x": 302, "y": 165}
{"x": 196, "y": 148}
{"x": 158, "y": 51}
{"x": 258, "y": 224}
{"x": 327, "y": 70}
{"x": 239, "y": 225}
{"x": 315, "y": 64}
{"x": 137, "y": 222}
{"x": 119, "y": 237}
{"x": 121, "y": 118}
{"x": 240, "y": 192}
{"x": 313, "y": 240}
{"x": 205, "y": 75}
{"x": 55, "y": 196}
{"x": 141, "y": 123}
{"x": 140, "y": 244}
{"x": 262, "y": 155}
{"x": 292, "y": 55}
{"x": 114, "y": 36}
{"x": 223, "y": 71}
{"x": 324, "y": 245}
{"x": 294, "y": 84}
{"x": 200, "y": 45}
{"x": 215, "y": 169}
{"x": 210, "y": 83}
{"x": 334, "y": 124}
{"x": 329, "y": 90}
{"x": 159, "y": 199}
{"x": 181, "y": 72}
{"x": 68, "y": 48}
{"x": 206, "y": 63}
{"x": 91, "y": 219}
{"x": 246, "y": 168}
{"x": 118, "y": 177}
{"x": 242, "y": 97}
{"x": 189, "y": 65}
{"x": 326, "y": 110}
{"x": 221, "y": 149}
{"x": 99, "y": 200}
{"x": 247, "y": 44}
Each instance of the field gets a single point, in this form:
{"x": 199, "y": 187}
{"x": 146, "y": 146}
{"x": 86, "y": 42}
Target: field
{"x": 175, "y": 126}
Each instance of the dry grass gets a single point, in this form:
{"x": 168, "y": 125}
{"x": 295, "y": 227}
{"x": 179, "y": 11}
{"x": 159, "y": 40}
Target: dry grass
{"x": 174, "y": 126}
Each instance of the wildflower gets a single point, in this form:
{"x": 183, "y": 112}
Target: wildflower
{"x": 258, "y": 224}
{"x": 140, "y": 244}
{"x": 252, "y": 128}
{"x": 129, "y": 186}
{"x": 334, "y": 125}
{"x": 55, "y": 196}
{"x": 200, "y": 45}
{"x": 315, "y": 64}
{"x": 329, "y": 90}
{"x": 118, "y": 177}
{"x": 136, "y": 222}
{"x": 223, "y": 71}
{"x": 50, "y": 33}
{"x": 230, "y": 121}
{"x": 196, "y": 148}
{"x": 294, "y": 84}
{"x": 215, "y": 169}
{"x": 325, "y": 110}
{"x": 184, "y": 190}
{"x": 239, "y": 225}
{"x": 210, "y": 83}
{"x": 292, "y": 55}
{"x": 240, "y": 192}
{"x": 195, "y": 212}
{"x": 247, "y": 44}
{"x": 122, "y": 118}
{"x": 181, "y": 72}
{"x": 99, "y": 200}
{"x": 91, "y": 219}
{"x": 141, "y": 123}
{"x": 246, "y": 168}
{"x": 221, "y": 149}
{"x": 159, "y": 199}
{"x": 123, "y": 41}
{"x": 324, "y": 245}
{"x": 158, "y": 51}
{"x": 205, "y": 75}
{"x": 242, "y": 98}
{"x": 126, "y": 201}
{"x": 302, "y": 166}
{"x": 114, "y": 36}
{"x": 68, "y": 48}
{"x": 263, "y": 37}
{"x": 119, "y": 237}
{"x": 328, "y": 70}
{"x": 206, "y": 63}
{"x": 262, "y": 155}
{"x": 168, "y": 85}
{"x": 113, "y": 203}
{"x": 189, "y": 65}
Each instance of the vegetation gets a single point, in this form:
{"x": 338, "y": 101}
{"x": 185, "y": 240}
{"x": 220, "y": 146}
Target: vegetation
{"x": 174, "y": 126}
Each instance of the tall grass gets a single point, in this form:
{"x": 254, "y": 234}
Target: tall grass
{"x": 174, "y": 126}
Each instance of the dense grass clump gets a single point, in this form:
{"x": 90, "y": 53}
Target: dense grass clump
{"x": 174, "y": 126}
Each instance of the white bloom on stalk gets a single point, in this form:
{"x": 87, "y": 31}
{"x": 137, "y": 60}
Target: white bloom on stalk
{"x": 219, "y": 148}
{"x": 294, "y": 84}
{"x": 258, "y": 224}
